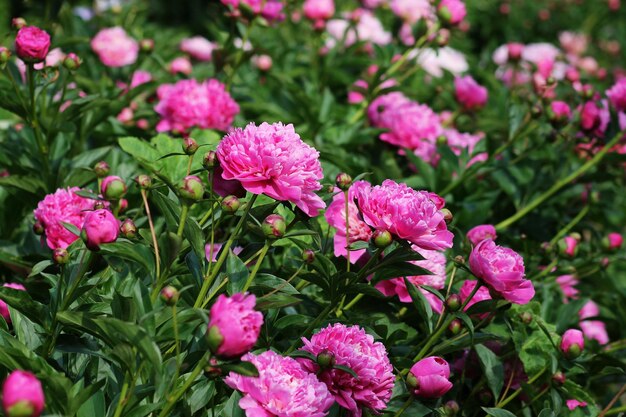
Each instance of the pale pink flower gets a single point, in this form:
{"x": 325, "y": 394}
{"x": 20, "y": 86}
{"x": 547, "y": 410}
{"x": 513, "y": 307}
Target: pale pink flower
{"x": 354, "y": 348}
{"x": 189, "y": 104}
{"x": 567, "y": 284}
{"x": 181, "y": 65}
{"x": 114, "y": 47}
{"x": 198, "y": 48}
{"x": 460, "y": 141}
{"x": 4, "y": 309}
{"x": 236, "y": 323}
{"x": 573, "y": 43}
{"x": 592, "y": 329}
{"x": 282, "y": 388}
{"x": 481, "y": 232}
{"x": 368, "y": 29}
{"x": 453, "y": 8}
{"x": 273, "y": 160}
{"x": 434, "y": 62}
{"x": 406, "y": 213}
{"x": 411, "y": 11}
{"x": 470, "y": 94}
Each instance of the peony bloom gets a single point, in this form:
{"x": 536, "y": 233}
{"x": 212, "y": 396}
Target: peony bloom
{"x": 481, "y": 232}
{"x": 470, "y": 94}
{"x": 435, "y": 262}
{"x": 269, "y": 9}
{"x": 614, "y": 241}
{"x": 567, "y": 284}
{"x": 180, "y": 64}
{"x": 189, "y": 104}
{"x": 572, "y": 342}
{"x": 560, "y": 110}
{"x": 354, "y": 348}
{"x": 406, "y": 213}
{"x": 572, "y": 404}
{"x": 198, "y": 48}
{"x": 453, "y": 11}
{"x": 411, "y": 11}
{"x": 502, "y": 270}
{"x": 317, "y": 10}
{"x": 282, "y": 388}
{"x": 573, "y": 43}
{"x": 617, "y": 95}
{"x": 115, "y": 48}
{"x": 336, "y": 217}
{"x": 431, "y": 377}
{"x": 100, "y": 227}
{"x": 368, "y": 29}
{"x": 436, "y": 61}
{"x": 22, "y": 394}
{"x": 64, "y": 206}
{"x": 594, "y": 119}
{"x": 459, "y": 141}
{"x": 273, "y": 160}
{"x": 4, "y": 309}
{"x": 224, "y": 187}
{"x": 569, "y": 246}
{"x": 592, "y": 329}
{"x": 32, "y": 44}
{"x": 481, "y": 295}
{"x": 234, "y": 326}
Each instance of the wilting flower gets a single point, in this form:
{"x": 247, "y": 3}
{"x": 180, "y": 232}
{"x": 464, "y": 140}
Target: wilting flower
{"x": 64, "y": 206}
{"x": 502, "y": 270}
{"x": 189, "y": 104}
{"x": 198, "y": 47}
{"x": 4, "y": 309}
{"x": 32, "y": 44}
{"x": 273, "y": 160}
{"x": 114, "y": 47}
{"x": 481, "y": 232}
{"x": 22, "y": 395}
{"x": 100, "y": 227}
{"x": 572, "y": 342}
{"x": 354, "y": 348}
{"x": 283, "y": 388}
{"x": 235, "y": 325}
{"x": 592, "y": 329}
{"x": 617, "y": 95}
{"x": 406, "y": 213}
{"x": 429, "y": 378}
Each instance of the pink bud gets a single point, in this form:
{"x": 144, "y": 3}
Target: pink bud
{"x": 470, "y": 94}
{"x": 113, "y": 187}
{"x": 428, "y": 378}
{"x": 100, "y": 227}
{"x": 481, "y": 232}
{"x": 22, "y": 395}
{"x": 572, "y": 343}
{"x": 234, "y": 326}
{"x": 614, "y": 241}
{"x": 515, "y": 51}
{"x": 32, "y": 44}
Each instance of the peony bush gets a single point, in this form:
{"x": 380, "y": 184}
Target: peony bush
{"x": 312, "y": 208}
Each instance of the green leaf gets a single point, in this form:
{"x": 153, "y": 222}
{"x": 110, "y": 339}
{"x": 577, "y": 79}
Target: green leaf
{"x": 30, "y": 184}
{"x": 22, "y": 302}
{"x": 421, "y": 304}
{"x": 346, "y": 369}
{"x": 242, "y": 368}
{"x": 303, "y": 354}
{"x": 492, "y": 367}
{"x": 498, "y": 412}
{"x": 237, "y": 273}
{"x": 130, "y": 251}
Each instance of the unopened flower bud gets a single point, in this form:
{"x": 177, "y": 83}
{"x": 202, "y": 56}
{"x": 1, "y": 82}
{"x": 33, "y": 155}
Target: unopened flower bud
{"x": 191, "y": 189}
{"x": 101, "y": 169}
{"x": 215, "y": 338}
{"x": 146, "y": 45}
{"x": 143, "y": 181}
{"x": 38, "y": 228}
{"x": 459, "y": 260}
{"x": 443, "y": 38}
{"x": 451, "y": 408}
{"x": 60, "y": 256}
{"x": 190, "y": 146}
{"x": 212, "y": 370}
{"x": 326, "y": 359}
{"x": 169, "y": 295}
{"x": 559, "y": 378}
{"x": 209, "y": 160}
{"x": 572, "y": 343}
{"x": 18, "y": 22}
{"x": 274, "y": 226}
{"x": 454, "y": 302}
{"x": 72, "y": 61}
{"x": 455, "y": 326}
{"x": 343, "y": 181}
{"x": 308, "y": 256}
{"x": 382, "y": 238}
{"x": 447, "y": 215}
{"x": 5, "y": 55}
{"x": 113, "y": 188}
{"x": 230, "y": 204}
{"x": 412, "y": 382}
{"x": 485, "y": 397}
{"x": 128, "y": 229}
{"x": 22, "y": 395}
{"x": 526, "y": 317}
{"x": 612, "y": 241}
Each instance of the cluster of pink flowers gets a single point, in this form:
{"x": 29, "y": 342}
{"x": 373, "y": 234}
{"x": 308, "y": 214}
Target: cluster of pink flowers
{"x": 115, "y": 47}
{"x": 273, "y": 160}
{"x": 189, "y": 103}
{"x": 354, "y": 348}
{"x": 271, "y": 10}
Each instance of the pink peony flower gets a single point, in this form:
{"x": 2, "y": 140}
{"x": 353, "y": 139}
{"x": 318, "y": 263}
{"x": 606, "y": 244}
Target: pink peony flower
{"x": 614, "y": 241}
{"x": 572, "y": 404}
{"x": 115, "y": 48}
{"x": 32, "y": 44}
{"x": 592, "y": 329}
{"x": 453, "y": 10}
{"x": 140, "y": 77}
{"x": 458, "y": 141}
{"x": 282, "y": 388}
{"x": 198, "y": 48}
{"x": 569, "y": 246}
{"x": 567, "y": 284}
{"x": 263, "y": 62}
{"x": 432, "y": 377}
{"x": 180, "y": 64}
{"x": 319, "y": 9}
{"x": 336, "y": 217}
{"x": 594, "y": 119}
{"x": 469, "y": 94}
{"x": 617, "y": 95}
{"x": 188, "y": 104}
{"x": 572, "y": 342}
{"x": 411, "y": 11}
{"x": 269, "y": 9}
{"x": 481, "y": 232}
{"x": 234, "y": 325}
{"x": 4, "y": 309}
{"x": 502, "y": 270}
{"x": 481, "y": 295}
{"x": 62, "y": 206}
{"x": 406, "y": 213}
{"x": 561, "y": 110}
{"x": 354, "y": 348}
{"x": 22, "y": 392}
{"x": 435, "y": 262}
{"x": 573, "y": 43}
{"x": 100, "y": 227}
{"x": 224, "y": 187}
{"x": 273, "y": 160}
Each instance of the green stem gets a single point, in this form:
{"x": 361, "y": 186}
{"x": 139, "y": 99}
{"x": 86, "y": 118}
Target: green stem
{"x": 34, "y": 123}
{"x": 406, "y": 405}
{"x": 155, "y": 243}
{"x": 560, "y": 184}
{"x": 311, "y": 326}
{"x": 183, "y": 219}
{"x": 570, "y": 225}
{"x": 353, "y": 302}
{"x": 517, "y": 392}
{"x": 615, "y": 410}
{"x": 176, "y": 341}
{"x": 122, "y": 400}
{"x": 257, "y": 265}
{"x": 174, "y": 398}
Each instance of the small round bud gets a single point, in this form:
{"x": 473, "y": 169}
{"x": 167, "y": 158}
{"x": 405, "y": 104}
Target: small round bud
{"x": 5, "y": 55}
{"x": 308, "y": 256}
{"x": 128, "y": 229}
{"x": 169, "y": 295}
{"x": 343, "y": 181}
{"x": 210, "y": 160}
{"x": 382, "y": 238}
{"x": 573, "y": 351}
{"x": 18, "y": 22}
{"x": 455, "y": 326}
{"x": 72, "y": 61}
{"x": 146, "y": 45}
{"x": 326, "y": 359}
{"x": 215, "y": 338}
{"x": 442, "y": 140}
{"x": 101, "y": 169}
{"x": 459, "y": 260}
{"x": 274, "y": 226}
{"x": 263, "y": 62}
{"x": 485, "y": 397}
{"x": 559, "y": 378}
{"x": 143, "y": 181}
{"x": 190, "y": 146}
{"x": 38, "y": 228}
{"x": 445, "y": 15}
{"x": 60, "y": 256}
{"x": 526, "y": 317}
{"x": 447, "y": 215}
{"x": 212, "y": 370}
{"x": 191, "y": 189}
{"x": 230, "y": 204}
{"x": 454, "y": 302}
{"x": 412, "y": 382}
{"x": 443, "y": 38}
{"x": 122, "y": 206}
{"x": 451, "y": 408}
{"x": 113, "y": 188}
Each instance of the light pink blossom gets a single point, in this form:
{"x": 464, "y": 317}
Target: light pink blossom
{"x": 198, "y": 48}
{"x": 592, "y": 329}
{"x": 114, "y": 47}
{"x": 481, "y": 232}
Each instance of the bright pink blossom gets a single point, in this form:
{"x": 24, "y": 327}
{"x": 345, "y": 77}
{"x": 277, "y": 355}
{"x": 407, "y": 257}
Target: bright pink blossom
{"x": 354, "y": 348}
{"x": 406, "y": 213}
{"x": 482, "y": 294}
{"x": 32, "y": 44}
{"x": 273, "y": 160}
{"x": 198, "y": 48}
{"x": 572, "y": 404}
{"x": 237, "y": 323}
{"x": 22, "y": 388}
{"x": 561, "y": 110}
{"x": 432, "y": 375}
{"x": 189, "y": 104}
{"x": 100, "y": 227}
{"x": 115, "y": 48}
{"x": 617, "y": 95}
{"x": 282, "y": 389}
{"x": 592, "y": 329}
{"x": 453, "y": 8}
{"x": 4, "y": 309}
{"x": 64, "y": 206}
{"x": 614, "y": 240}
{"x": 501, "y": 269}
{"x": 224, "y": 187}
{"x": 481, "y": 232}
{"x": 269, "y": 9}
{"x": 569, "y": 246}
{"x": 317, "y": 10}
{"x": 572, "y": 339}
